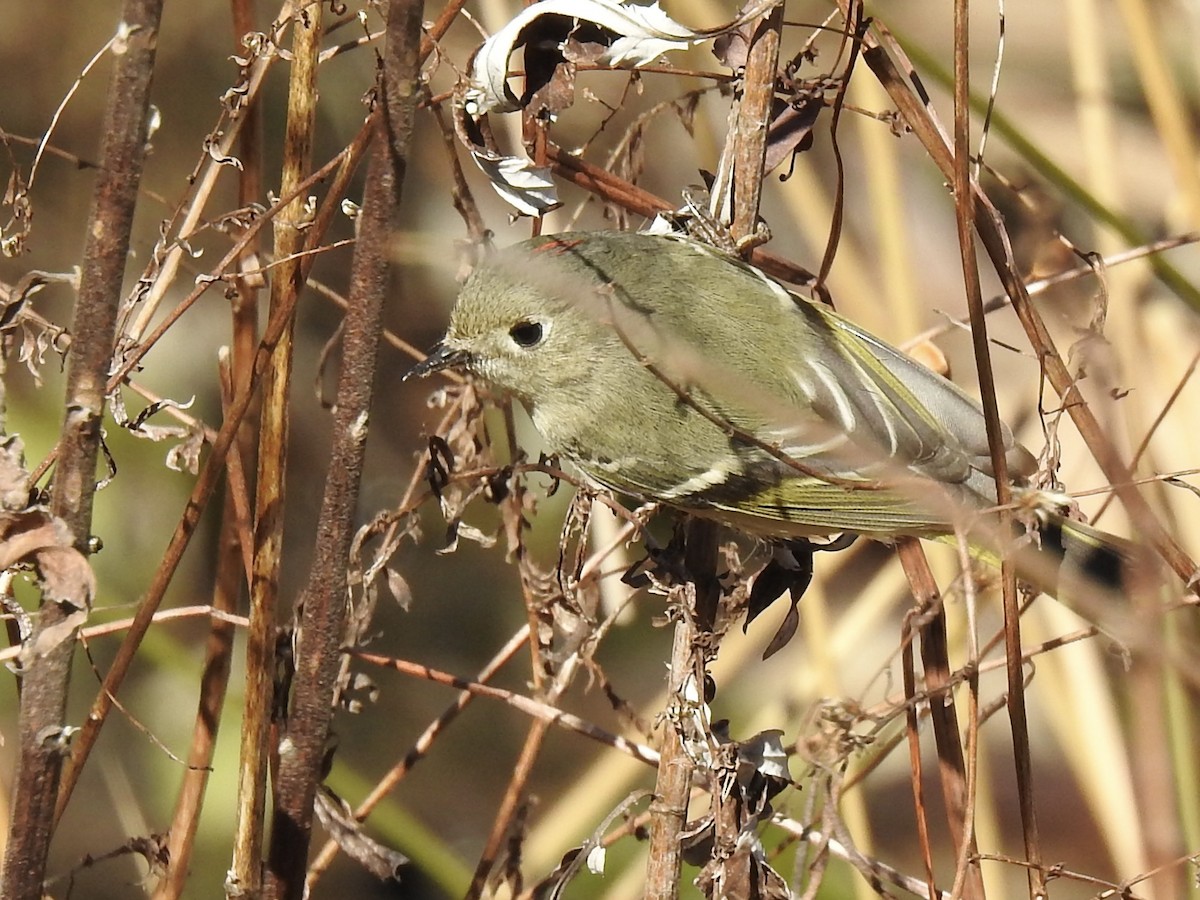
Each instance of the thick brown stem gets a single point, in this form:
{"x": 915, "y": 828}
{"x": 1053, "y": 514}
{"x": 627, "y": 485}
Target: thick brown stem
{"x": 43, "y": 736}
{"x": 322, "y": 623}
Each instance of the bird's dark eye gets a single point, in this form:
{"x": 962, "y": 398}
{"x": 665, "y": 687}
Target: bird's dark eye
{"x": 526, "y": 333}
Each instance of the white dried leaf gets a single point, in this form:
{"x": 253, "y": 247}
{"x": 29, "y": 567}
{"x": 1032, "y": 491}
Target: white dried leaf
{"x": 634, "y": 33}
{"x": 33, "y": 352}
{"x": 399, "y": 588}
{"x": 763, "y": 753}
{"x": 471, "y": 533}
{"x": 525, "y": 186}
{"x": 186, "y": 455}
{"x": 213, "y": 149}
{"x": 595, "y": 860}
{"x": 154, "y": 123}
{"x": 643, "y": 33}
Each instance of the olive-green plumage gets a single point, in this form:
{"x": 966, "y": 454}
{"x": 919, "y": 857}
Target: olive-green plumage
{"x": 670, "y": 371}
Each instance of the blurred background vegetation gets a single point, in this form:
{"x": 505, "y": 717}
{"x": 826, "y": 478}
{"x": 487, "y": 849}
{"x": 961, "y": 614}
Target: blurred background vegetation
{"x": 1093, "y": 141}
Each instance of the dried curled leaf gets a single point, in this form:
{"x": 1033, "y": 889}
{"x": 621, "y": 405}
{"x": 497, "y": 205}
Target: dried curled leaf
{"x": 591, "y": 853}
{"x": 632, "y": 33}
{"x": 15, "y": 233}
{"x": 558, "y": 35}
{"x": 526, "y": 187}
{"x": 14, "y": 480}
{"x": 743, "y": 779}
{"x": 791, "y": 129}
{"x": 398, "y": 587}
{"x": 335, "y": 817}
{"x": 461, "y": 447}
{"x": 33, "y": 535}
{"x": 185, "y": 454}
{"x": 38, "y": 334}
{"x": 790, "y": 569}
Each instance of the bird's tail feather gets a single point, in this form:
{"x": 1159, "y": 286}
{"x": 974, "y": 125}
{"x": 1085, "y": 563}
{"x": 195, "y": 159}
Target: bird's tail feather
{"x": 1086, "y": 554}
{"x": 1082, "y": 566}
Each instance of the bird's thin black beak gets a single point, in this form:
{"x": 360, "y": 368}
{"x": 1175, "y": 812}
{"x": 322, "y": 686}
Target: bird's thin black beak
{"x": 441, "y": 357}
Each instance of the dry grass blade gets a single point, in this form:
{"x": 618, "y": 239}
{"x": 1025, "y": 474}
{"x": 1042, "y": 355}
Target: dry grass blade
{"x": 271, "y": 456}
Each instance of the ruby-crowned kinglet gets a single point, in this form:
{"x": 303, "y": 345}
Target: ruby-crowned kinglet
{"x": 669, "y": 371}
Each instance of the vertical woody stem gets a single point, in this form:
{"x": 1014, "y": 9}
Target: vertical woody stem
{"x": 964, "y": 208}
{"x": 246, "y": 867}
{"x": 322, "y": 625}
{"x": 753, "y": 120}
{"x": 43, "y": 734}
{"x": 747, "y": 150}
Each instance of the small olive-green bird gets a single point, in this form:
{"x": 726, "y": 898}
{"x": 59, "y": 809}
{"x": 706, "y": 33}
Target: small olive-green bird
{"x": 670, "y": 371}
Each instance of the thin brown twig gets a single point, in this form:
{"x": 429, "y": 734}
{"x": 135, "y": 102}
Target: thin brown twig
{"x": 440, "y": 26}
{"x": 913, "y": 733}
{"x": 512, "y": 512}
{"x": 393, "y": 339}
{"x": 614, "y": 189}
{"x": 203, "y": 180}
{"x": 754, "y": 115}
{"x": 460, "y": 193}
{"x": 91, "y": 632}
{"x": 853, "y": 13}
{"x": 239, "y": 494}
{"x": 873, "y": 870}
{"x": 988, "y": 225}
{"x": 513, "y": 801}
{"x": 541, "y": 710}
{"x": 935, "y": 660}
{"x": 1155, "y": 769}
{"x": 964, "y": 211}
{"x": 968, "y": 850}
{"x": 1144, "y": 443}
{"x": 514, "y": 792}
{"x": 1041, "y": 285}
{"x": 233, "y": 568}
{"x": 669, "y": 808}
{"x": 696, "y": 602}
{"x": 1058, "y": 870}
{"x": 419, "y": 750}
